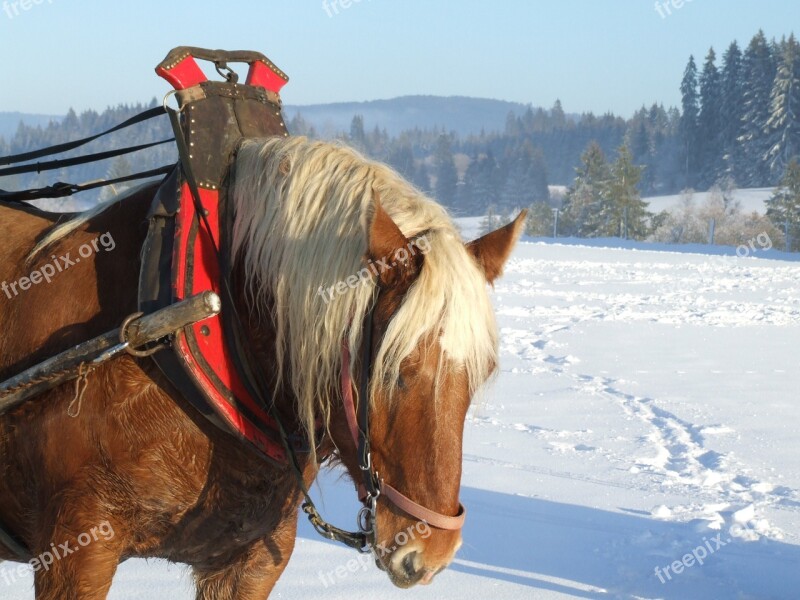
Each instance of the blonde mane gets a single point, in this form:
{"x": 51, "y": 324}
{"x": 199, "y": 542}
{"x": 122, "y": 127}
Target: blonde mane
{"x": 302, "y": 215}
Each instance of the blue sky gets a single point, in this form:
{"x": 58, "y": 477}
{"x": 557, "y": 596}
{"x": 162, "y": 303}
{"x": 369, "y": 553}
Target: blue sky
{"x": 593, "y": 55}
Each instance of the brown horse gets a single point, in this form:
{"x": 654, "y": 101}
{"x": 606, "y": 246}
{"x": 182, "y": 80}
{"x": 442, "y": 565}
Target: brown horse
{"x": 133, "y": 470}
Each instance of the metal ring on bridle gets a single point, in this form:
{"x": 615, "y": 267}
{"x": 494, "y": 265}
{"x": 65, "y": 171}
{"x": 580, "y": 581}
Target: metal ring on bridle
{"x": 367, "y": 515}
{"x": 123, "y": 338}
{"x": 366, "y": 520}
{"x": 166, "y": 98}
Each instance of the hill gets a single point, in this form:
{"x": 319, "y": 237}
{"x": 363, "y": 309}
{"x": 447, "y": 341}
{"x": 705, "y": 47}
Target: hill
{"x": 463, "y": 115}
{"x": 9, "y": 122}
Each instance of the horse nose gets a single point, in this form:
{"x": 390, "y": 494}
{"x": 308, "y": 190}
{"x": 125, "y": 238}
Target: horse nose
{"x": 406, "y": 567}
{"x": 409, "y": 564}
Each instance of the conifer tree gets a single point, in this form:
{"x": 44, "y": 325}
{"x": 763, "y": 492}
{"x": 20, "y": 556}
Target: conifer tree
{"x": 783, "y": 208}
{"x": 731, "y": 110}
{"x": 709, "y": 123}
{"x": 690, "y": 110}
{"x": 783, "y": 125}
{"x": 584, "y": 201}
{"x": 758, "y": 69}
{"x": 446, "y": 174}
{"x": 623, "y": 212}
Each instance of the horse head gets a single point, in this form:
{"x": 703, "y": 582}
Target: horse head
{"x": 417, "y": 414}
{"x": 409, "y": 303}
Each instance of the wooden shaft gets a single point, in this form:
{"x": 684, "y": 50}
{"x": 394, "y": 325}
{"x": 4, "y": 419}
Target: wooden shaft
{"x": 65, "y": 366}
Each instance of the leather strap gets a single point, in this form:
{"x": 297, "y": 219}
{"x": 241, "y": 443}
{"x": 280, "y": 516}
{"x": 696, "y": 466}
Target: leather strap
{"x": 397, "y": 498}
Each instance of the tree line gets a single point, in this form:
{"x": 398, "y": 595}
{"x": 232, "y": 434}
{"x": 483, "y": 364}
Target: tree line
{"x": 738, "y": 125}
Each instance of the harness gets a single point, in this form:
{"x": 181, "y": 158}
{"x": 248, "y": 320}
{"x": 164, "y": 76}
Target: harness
{"x": 186, "y": 255}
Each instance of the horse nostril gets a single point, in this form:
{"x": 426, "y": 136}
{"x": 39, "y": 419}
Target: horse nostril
{"x": 409, "y": 565}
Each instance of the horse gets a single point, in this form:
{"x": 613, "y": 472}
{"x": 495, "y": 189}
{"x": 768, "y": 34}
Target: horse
{"x": 128, "y": 468}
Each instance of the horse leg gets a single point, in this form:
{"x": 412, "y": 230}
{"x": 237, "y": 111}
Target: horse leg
{"x": 254, "y": 574}
{"x": 83, "y": 574}
{"x": 77, "y": 556}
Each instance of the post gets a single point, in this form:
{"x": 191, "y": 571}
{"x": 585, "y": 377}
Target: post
{"x": 555, "y": 222}
{"x": 711, "y": 227}
{"x": 625, "y": 220}
{"x": 787, "y": 243}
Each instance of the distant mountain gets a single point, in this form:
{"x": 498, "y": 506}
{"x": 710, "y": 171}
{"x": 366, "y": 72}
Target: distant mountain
{"x": 9, "y": 121}
{"x": 452, "y": 113}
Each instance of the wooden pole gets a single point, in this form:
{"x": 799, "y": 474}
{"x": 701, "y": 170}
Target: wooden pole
{"x": 144, "y": 330}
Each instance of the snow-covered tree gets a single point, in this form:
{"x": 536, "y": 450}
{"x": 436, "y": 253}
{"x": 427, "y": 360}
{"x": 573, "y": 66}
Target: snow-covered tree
{"x": 690, "y": 110}
{"x": 540, "y": 220}
{"x": 584, "y": 201}
{"x": 783, "y": 208}
{"x": 623, "y": 211}
{"x": 731, "y": 110}
{"x": 783, "y": 125}
{"x": 709, "y": 123}
{"x": 758, "y": 68}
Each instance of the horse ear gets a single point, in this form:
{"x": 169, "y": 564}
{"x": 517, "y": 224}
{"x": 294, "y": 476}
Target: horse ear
{"x": 492, "y": 250}
{"x": 394, "y": 257}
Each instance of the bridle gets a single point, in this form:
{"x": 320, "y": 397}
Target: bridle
{"x": 372, "y": 486}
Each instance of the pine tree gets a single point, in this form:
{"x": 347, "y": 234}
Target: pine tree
{"x": 690, "y": 105}
{"x": 526, "y": 180}
{"x": 731, "y": 110}
{"x": 401, "y": 158}
{"x": 783, "y": 125}
{"x": 623, "y": 211}
{"x": 758, "y": 69}
{"x": 358, "y": 139}
{"x": 540, "y": 220}
{"x": 479, "y": 182}
{"x": 709, "y": 123}
{"x": 642, "y": 149}
{"x": 446, "y": 174}
{"x": 540, "y": 192}
{"x": 783, "y": 208}
{"x": 584, "y": 200}
{"x": 422, "y": 179}
{"x": 490, "y": 221}
{"x": 558, "y": 116}
{"x": 120, "y": 167}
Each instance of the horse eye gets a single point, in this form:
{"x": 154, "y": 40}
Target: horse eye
{"x": 401, "y": 383}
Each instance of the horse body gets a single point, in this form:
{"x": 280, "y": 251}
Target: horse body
{"x": 158, "y": 478}
{"x": 137, "y": 456}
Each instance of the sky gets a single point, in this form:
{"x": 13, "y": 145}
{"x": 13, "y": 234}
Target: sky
{"x": 592, "y": 55}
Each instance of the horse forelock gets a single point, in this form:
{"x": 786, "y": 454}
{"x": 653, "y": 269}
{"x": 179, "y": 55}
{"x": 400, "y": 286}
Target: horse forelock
{"x": 302, "y": 213}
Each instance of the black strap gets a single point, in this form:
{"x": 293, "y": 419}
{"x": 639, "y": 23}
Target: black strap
{"x": 62, "y": 190}
{"x": 364, "y": 450}
{"x": 59, "y": 148}
{"x": 51, "y": 165}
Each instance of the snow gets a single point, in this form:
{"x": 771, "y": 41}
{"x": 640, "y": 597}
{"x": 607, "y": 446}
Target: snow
{"x": 751, "y": 199}
{"x": 643, "y": 427}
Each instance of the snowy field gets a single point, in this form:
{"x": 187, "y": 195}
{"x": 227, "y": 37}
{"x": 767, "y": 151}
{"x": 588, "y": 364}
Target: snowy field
{"x": 646, "y": 416}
